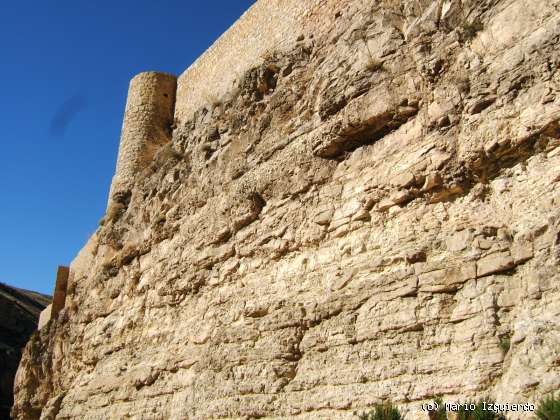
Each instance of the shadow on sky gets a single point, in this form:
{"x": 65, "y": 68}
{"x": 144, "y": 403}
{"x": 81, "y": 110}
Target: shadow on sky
{"x": 65, "y": 113}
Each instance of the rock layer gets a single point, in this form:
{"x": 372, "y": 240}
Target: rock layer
{"x": 370, "y": 214}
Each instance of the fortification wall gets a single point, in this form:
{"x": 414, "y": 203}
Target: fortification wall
{"x": 59, "y": 297}
{"x": 147, "y": 125}
{"x": 268, "y": 26}
{"x": 156, "y": 99}
{"x": 371, "y": 216}
{"x": 44, "y": 317}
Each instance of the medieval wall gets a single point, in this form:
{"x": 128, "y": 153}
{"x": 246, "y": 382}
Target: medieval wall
{"x": 267, "y": 27}
{"x": 367, "y": 213}
{"x": 59, "y": 297}
{"x": 147, "y": 125}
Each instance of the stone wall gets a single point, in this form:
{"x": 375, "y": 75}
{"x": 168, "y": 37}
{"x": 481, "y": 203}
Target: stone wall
{"x": 59, "y": 297}
{"x": 267, "y": 27}
{"x": 367, "y": 214}
{"x": 44, "y": 317}
{"x": 147, "y": 125}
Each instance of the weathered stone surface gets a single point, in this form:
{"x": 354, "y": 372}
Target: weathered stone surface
{"x": 147, "y": 125}
{"x": 59, "y": 295}
{"x": 44, "y": 317}
{"x": 448, "y": 279}
{"x": 275, "y": 259}
{"x": 522, "y": 251}
{"x": 494, "y": 263}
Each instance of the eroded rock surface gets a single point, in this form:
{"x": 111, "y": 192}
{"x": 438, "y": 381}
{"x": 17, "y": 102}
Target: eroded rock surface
{"x": 369, "y": 215}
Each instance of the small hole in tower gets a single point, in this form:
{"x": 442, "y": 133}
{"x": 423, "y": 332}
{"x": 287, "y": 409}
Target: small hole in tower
{"x": 165, "y": 94}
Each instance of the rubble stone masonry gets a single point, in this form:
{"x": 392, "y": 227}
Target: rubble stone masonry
{"x": 350, "y": 202}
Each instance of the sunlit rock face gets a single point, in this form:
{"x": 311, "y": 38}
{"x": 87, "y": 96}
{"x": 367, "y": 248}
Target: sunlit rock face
{"x": 367, "y": 211}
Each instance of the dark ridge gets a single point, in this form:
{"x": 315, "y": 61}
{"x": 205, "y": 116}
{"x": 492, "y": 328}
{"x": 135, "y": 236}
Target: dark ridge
{"x": 19, "y": 314}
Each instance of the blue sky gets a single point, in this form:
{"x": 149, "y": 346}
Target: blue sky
{"x": 64, "y": 72}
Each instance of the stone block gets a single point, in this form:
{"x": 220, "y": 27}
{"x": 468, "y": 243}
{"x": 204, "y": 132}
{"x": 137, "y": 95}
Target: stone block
{"x": 147, "y": 126}
{"x": 59, "y": 295}
{"x": 44, "y": 317}
{"x": 397, "y": 198}
{"x": 448, "y": 279}
{"x": 324, "y": 217}
{"x": 521, "y": 252}
{"x": 459, "y": 240}
{"x": 433, "y": 180}
{"x": 494, "y": 263}
{"x": 439, "y": 158}
{"x": 481, "y": 104}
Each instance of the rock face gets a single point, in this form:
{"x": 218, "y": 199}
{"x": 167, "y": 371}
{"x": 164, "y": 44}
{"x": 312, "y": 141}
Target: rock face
{"x": 368, "y": 212}
{"x": 19, "y": 312}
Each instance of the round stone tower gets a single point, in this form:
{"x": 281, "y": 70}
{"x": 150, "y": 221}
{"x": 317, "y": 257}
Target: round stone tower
{"x": 146, "y": 127}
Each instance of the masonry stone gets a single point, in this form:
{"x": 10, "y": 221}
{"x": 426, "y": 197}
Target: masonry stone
{"x": 59, "y": 297}
{"x": 147, "y": 125}
{"x": 358, "y": 204}
{"x": 44, "y": 317}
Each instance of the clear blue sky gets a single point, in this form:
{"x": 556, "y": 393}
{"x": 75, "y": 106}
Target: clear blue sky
{"x": 64, "y": 72}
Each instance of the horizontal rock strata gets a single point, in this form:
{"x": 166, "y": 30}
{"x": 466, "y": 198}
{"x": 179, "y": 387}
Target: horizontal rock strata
{"x": 368, "y": 215}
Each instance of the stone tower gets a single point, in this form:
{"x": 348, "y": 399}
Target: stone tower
{"x": 147, "y": 125}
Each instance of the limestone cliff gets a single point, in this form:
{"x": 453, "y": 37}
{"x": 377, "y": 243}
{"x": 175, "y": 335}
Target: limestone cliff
{"x": 19, "y": 312}
{"x": 364, "y": 211}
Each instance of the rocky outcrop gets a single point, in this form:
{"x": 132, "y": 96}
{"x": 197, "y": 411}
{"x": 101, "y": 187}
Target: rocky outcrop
{"x": 367, "y": 214}
{"x": 19, "y": 312}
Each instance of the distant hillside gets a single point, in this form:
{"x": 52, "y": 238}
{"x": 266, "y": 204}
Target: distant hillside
{"x": 19, "y": 313}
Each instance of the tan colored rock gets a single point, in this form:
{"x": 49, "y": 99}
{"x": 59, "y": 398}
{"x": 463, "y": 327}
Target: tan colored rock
{"x": 403, "y": 180}
{"x": 44, "y": 317}
{"x": 147, "y": 126}
{"x": 324, "y": 217}
{"x": 270, "y": 262}
{"x": 481, "y": 103}
{"x": 399, "y": 197}
{"x": 521, "y": 252}
{"x": 447, "y": 279}
{"x": 459, "y": 241}
{"x": 433, "y": 180}
{"x": 59, "y": 295}
{"x": 494, "y": 263}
